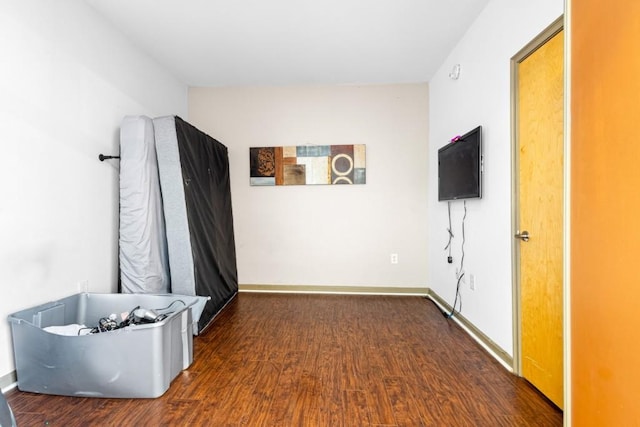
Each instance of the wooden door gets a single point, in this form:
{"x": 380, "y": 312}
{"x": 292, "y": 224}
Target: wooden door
{"x": 540, "y": 187}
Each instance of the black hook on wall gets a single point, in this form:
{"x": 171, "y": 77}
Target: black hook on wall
{"x": 102, "y": 157}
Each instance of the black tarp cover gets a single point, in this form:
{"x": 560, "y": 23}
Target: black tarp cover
{"x": 204, "y": 165}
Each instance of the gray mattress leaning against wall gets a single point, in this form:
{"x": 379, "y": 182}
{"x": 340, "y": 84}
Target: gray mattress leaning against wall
{"x": 144, "y": 264}
{"x": 196, "y": 193}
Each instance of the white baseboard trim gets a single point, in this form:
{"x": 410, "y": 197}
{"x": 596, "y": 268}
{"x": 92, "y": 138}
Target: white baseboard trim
{"x": 334, "y": 289}
{"x": 8, "y": 381}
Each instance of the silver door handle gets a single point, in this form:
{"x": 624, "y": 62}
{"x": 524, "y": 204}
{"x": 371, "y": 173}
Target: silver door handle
{"x": 524, "y": 236}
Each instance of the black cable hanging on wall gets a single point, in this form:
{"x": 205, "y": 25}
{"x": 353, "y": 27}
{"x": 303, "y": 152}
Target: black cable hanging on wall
{"x": 461, "y": 272}
{"x": 449, "y": 259}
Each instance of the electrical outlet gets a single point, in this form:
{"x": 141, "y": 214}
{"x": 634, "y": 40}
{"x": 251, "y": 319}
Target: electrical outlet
{"x": 394, "y": 258}
{"x": 472, "y": 282}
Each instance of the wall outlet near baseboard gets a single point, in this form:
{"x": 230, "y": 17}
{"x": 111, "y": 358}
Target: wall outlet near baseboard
{"x": 472, "y": 282}
{"x": 393, "y": 258}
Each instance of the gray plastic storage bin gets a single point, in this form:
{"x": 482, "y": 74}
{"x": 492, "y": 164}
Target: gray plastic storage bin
{"x": 6, "y": 416}
{"x": 134, "y": 361}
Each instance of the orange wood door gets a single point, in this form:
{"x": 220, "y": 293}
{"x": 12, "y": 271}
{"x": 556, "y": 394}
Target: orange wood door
{"x": 605, "y": 202}
{"x": 540, "y": 190}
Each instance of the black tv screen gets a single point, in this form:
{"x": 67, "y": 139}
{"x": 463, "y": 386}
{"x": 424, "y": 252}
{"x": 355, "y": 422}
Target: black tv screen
{"x": 460, "y": 167}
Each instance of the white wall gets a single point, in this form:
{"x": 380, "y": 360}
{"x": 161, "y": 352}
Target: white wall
{"x": 66, "y": 81}
{"x": 481, "y": 96}
{"x": 326, "y": 235}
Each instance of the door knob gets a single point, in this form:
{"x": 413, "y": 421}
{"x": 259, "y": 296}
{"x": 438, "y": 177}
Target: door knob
{"x": 524, "y": 236}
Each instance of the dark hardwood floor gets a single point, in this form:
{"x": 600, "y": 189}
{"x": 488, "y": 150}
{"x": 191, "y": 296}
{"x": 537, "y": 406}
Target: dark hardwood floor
{"x": 320, "y": 360}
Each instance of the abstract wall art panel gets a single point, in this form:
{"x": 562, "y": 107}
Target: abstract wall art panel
{"x": 308, "y": 165}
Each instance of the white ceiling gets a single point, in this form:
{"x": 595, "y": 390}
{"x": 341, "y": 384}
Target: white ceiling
{"x": 284, "y": 42}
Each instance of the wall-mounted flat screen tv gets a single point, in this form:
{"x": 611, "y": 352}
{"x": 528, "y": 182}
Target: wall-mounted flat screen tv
{"x": 460, "y": 167}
